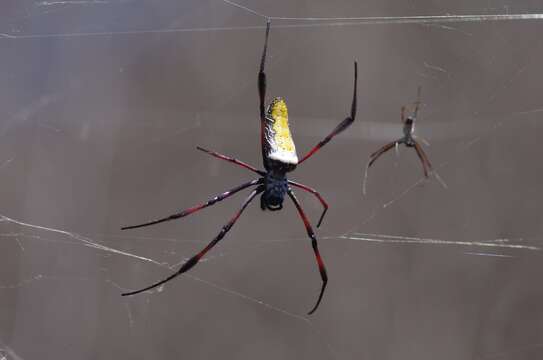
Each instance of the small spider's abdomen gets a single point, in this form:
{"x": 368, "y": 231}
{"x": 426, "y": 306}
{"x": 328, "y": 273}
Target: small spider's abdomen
{"x": 409, "y": 127}
{"x": 278, "y": 139}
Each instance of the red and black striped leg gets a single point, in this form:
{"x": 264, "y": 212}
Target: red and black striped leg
{"x": 311, "y": 234}
{"x": 232, "y": 160}
{"x": 262, "y": 91}
{"x": 196, "y": 208}
{"x": 194, "y": 260}
{"x": 426, "y": 165}
{"x": 316, "y": 193}
{"x": 381, "y": 151}
{"x": 342, "y": 125}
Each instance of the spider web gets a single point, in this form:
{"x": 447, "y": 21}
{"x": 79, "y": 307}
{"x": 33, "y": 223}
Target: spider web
{"x": 407, "y": 259}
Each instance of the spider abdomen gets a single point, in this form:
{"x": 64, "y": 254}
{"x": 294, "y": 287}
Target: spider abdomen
{"x": 409, "y": 127}
{"x": 278, "y": 142}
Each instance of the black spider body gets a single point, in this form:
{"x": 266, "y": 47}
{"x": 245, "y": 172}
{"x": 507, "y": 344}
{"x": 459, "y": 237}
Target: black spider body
{"x": 276, "y": 187}
{"x": 279, "y": 157}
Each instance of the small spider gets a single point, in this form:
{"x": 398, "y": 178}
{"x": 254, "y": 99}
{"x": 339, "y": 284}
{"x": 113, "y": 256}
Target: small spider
{"x": 279, "y": 157}
{"x": 407, "y": 139}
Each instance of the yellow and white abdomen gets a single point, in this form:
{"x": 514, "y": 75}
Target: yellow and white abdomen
{"x": 278, "y": 139}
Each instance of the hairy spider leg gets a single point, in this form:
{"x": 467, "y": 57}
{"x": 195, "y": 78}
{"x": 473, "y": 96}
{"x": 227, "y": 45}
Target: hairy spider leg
{"x": 426, "y": 165}
{"x": 342, "y": 125}
{"x": 381, "y": 151}
{"x": 314, "y": 244}
{"x": 196, "y": 208}
{"x": 196, "y": 258}
{"x": 262, "y": 92}
{"x": 316, "y": 193}
{"x": 232, "y": 160}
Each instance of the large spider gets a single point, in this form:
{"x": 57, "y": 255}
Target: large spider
{"x": 407, "y": 139}
{"x": 279, "y": 157}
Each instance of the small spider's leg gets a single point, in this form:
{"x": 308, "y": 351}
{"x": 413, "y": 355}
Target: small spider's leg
{"x": 424, "y": 155}
{"x": 262, "y": 91}
{"x": 311, "y": 234}
{"x": 417, "y": 104}
{"x": 316, "y": 193}
{"x": 423, "y": 159}
{"x": 424, "y": 141}
{"x": 232, "y": 160}
{"x": 342, "y": 125}
{"x": 381, "y": 151}
{"x": 196, "y": 208}
{"x": 402, "y": 114}
{"x": 194, "y": 260}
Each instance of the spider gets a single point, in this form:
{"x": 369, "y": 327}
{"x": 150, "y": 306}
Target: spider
{"x": 407, "y": 139}
{"x": 279, "y": 157}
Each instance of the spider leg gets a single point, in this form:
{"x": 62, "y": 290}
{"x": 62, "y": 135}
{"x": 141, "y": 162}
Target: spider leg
{"x": 417, "y": 103}
{"x": 196, "y": 208}
{"x": 316, "y": 193}
{"x": 194, "y": 260}
{"x": 426, "y": 165}
{"x": 381, "y": 151}
{"x": 402, "y": 116}
{"x": 311, "y": 234}
{"x": 262, "y": 91}
{"x": 232, "y": 160}
{"x": 341, "y": 126}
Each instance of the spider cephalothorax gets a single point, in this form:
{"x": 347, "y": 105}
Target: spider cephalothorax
{"x": 276, "y": 187}
{"x": 279, "y": 157}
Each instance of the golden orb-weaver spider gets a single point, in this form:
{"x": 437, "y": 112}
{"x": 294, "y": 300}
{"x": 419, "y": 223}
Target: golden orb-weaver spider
{"x": 279, "y": 157}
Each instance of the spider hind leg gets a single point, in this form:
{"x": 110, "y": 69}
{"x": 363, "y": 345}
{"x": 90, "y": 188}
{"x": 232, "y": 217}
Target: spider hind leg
{"x": 315, "y": 246}
{"x": 196, "y": 258}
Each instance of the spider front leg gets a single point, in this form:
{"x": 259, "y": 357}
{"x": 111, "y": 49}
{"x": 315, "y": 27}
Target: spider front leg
{"x": 314, "y": 244}
{"x": 196, "y": 258}
{"x": 231, "y": 160}
{"x": 316, "y": 193}
{"x": 342, "y": 125}
{"x": 426, "y": 165}
{"x": 262, "y": 92}
{"x": 199, "y": 207}
{"x": 382, "y": 150}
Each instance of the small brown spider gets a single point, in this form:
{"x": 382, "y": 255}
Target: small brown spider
{"x": 407, "y": 139}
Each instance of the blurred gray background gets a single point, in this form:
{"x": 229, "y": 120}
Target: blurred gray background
{"x": 102, "y": 104}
